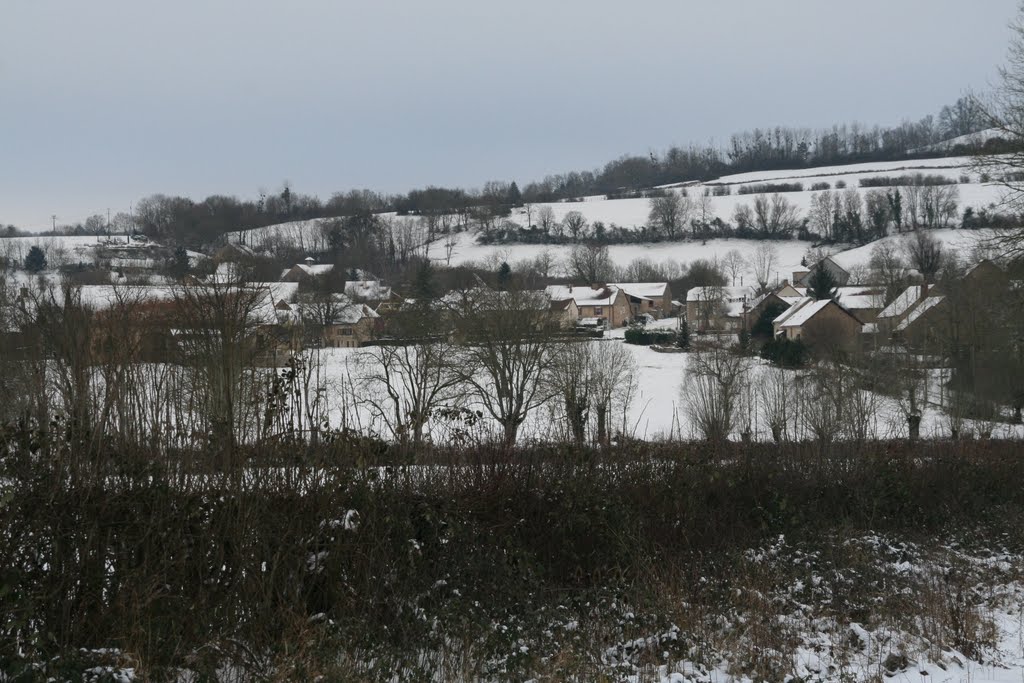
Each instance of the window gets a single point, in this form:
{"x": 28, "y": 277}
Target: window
{"x": 598, "y": 310}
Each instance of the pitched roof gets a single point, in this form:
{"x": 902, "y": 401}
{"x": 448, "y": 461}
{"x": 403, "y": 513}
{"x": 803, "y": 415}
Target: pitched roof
{"x": 643, "y": 290}
{"x": 560, "y": 304}
{"x": 728, "y": 293}
{"x": 901, "y": 304}
{"x": 922, "y": 307}
{"x": 793, "y": 308}
{"x": 805, "y": 313}
{"x": 313, "y": 270}
{"x": 860, "y": 297}
{"x": 732, "y": 298}
{"x": 584, "y": 296}
{"x": 367, "y": 289}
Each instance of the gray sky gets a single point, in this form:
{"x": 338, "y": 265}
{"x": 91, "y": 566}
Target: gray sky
{"x": 104, "y": 102}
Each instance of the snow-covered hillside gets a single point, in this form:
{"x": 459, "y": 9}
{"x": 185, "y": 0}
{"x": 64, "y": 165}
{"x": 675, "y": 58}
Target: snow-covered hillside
{"x": 633, "y": 214}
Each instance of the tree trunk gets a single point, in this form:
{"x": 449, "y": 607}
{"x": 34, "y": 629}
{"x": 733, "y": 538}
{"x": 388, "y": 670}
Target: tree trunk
{"x": 914, "y": 425}
{"x": 602, "y": 429}
{"x": 510, "y": 430}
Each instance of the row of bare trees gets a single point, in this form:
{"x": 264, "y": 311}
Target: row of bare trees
{"x": 210, "y": 364}
{"x": 499, "y": 354}
{"x": 726, "y": 394}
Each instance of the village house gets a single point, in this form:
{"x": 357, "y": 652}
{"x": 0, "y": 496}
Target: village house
{"x": 923, "y": 323}
{"x": 306, "y": 271}
{"x": 605, "y": 303}
{"x": 371, "y": 292}
{"x": 776, "y": 301}
{"x": 922, "y": 312}
{"x": 864, "y": 302}
{"x": 890, "y": 317}
{"x": 566, "y": 312}
{"x": 822, "y": 323}
{"x": 233, "y": 252}
{"x": 336, "y": 321}
{"x": 653, "y": 298}
{"x": 717, "y": 309}
{"x": 352, "y": 326}
{"x": 802, "y": 278}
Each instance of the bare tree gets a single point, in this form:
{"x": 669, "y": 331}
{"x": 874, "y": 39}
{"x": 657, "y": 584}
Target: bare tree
{"x": 510, "y": 343}
{"x": 642, "y": 270}
{"x": 703, "y": 210}
{"x": 711, "y": 390}
{"x": 220, "y": 341}
{"x": 822, "y": 392}
{"x": 575, "y": 223}
{"x": 543, "y": 264}
{"x": 939, "y": 204}
{"x": 878, "y": 212}
{"x": 775, "y": 216}
{"x": 451, "y": 240}
{"x": 613, "y": 380}
{"x": 570, "y": 378}
{"x": 670, "y": 212}
{"x": 824, "y": 210}
{"x": 528, "y": 210}
{"x": 888, "y": 268}
{"x": 734, "y": 263}
{"x": 743, "y": 217}
{"x": 409, "y": 380}
{"x": 590, "y": 264}
{"x": 964, "y": 117}
{"x": 776, "y": 401}
{"x": 763, "y": 262}
{"x": 924, "y": 253}
{"x": 546, "y": 220}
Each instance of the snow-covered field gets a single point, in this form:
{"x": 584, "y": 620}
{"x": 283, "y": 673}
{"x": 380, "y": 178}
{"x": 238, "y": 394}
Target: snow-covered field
{"x": 59, "y": 249}
{"x": 790, "y": 253}
{"x": 657, "y": 409}
{"x": 633, "y": 213}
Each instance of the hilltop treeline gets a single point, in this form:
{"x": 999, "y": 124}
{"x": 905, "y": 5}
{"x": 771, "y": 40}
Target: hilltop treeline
{"x": 185, "y": 221}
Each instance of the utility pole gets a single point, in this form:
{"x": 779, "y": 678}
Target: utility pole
{"x": 53, "y": 218}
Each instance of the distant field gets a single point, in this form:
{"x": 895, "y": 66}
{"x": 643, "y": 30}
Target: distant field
{"x": 632, "y": 213}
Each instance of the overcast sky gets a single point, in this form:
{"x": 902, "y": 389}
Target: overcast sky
{"x": 104, "y": 102}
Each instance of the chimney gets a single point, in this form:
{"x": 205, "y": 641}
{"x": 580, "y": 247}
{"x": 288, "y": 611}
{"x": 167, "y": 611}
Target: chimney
{"x": 924, "y": 290}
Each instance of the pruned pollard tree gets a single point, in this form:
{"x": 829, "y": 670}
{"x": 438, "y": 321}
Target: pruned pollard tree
{"x": 614, "y": 384}
{"x": 218, "y": 336}
{"x": 407, "y": 381}
{"x": 64, "y": 353}
{"x": 509, "y": 344}
{"x": 776, "y": 402}
{"x": 571, "y": 380}
{"x": 710, "y": 393}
